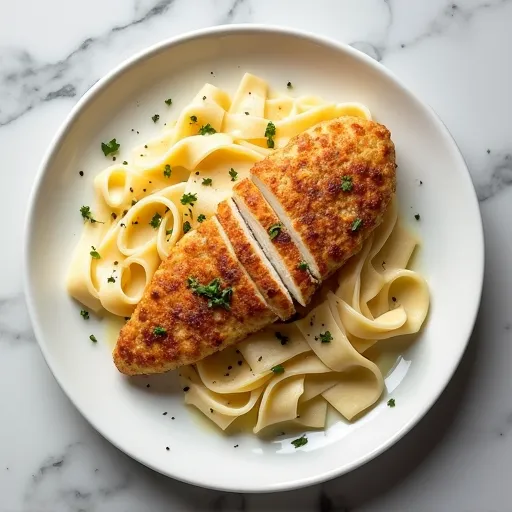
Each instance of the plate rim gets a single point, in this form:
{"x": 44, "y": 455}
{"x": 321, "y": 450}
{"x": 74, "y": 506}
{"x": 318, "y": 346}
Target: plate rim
{"x": 248, "y": 29}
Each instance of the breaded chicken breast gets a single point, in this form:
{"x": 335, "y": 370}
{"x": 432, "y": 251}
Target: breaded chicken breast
{"x": 309, "y": 206}
{"x": 199, "y": 301}
{"x": 330, "y": 187}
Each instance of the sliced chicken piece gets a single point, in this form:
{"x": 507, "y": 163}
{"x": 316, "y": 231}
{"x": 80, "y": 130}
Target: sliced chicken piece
{"x": 251, "y": 256}
{"x": 199, "y": 301}
{"x": 330, "y": 186}
{"x": 275, "y": 241}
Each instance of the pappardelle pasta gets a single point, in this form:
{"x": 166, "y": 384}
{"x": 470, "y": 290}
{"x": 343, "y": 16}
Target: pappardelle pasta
{"x": 289, "y": 372}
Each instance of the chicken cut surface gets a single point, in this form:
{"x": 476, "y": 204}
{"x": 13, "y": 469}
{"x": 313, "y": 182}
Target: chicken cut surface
{"x": 251, "y": 256}
{"x": 183, "y": 315}
{"x": 275, "y": 241}
{"x": 330, "y": 187}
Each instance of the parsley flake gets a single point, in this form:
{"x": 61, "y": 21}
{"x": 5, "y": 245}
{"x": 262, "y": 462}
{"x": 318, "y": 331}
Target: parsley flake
{"x": 233, "y": 174}
{"x": 168, "y": 102}
{"x": 207, "y": 182}
{"x": 207, "y": 129}
{"x": 300, "y": 441}
{"x": 270, "y": 133}
{"x": 111, "y": 279}
{"x": 167, "y": 171}
{"x": 156, "y": 220}
{"x": 201, "y": 218}
{"x": 274, "y": 230}
{"x": 188, "y": 199}
{"x": 391, "y": 402}
{"x": 289, "y": 85}
{"x": 417, "y": 216}
{"x": 87, "y": 215}
{"x": 155, "y": 118}
{"x": 217, "y": 297}
{"x": 186, "y": 226}
{"x": 84, "y": 314}
{"x": 282, "y": 338}
{"x": 159, "y": 331}
{"x": 94, "y": 253}
{"x": 346, "y": 183}
{"x": 110, "y": 147}
{"x": 93, "y": 338}
{"x": 193, "y": 119}
{"x": 302, "y": 265}
{"x": 356, "y": 224}
{"x": 168, "y": 231}
{"x": 324, "y": 337}
{"x": 278, "y": 368}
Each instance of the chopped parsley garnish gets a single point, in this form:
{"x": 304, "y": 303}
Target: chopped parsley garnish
{"x": 391, "y": 402}
{"x": 94, "y": 253}
{"x": 134, "y": 202}
{"x": 324, "y": 337}
{"x": 93, "y": 338}
{"x": 125, "y": 162}
{"x": 186, "y": 226}
{"x": 356, "y": 224}
{"x": 188, "y": 199}
{"x": 233, "y": 174}
{"x": 84, "y": 314}
{"x": 159, "y": 331}
{"x": 168, "y": 231}
{"x": 346, "y": 183}
{"x": 417, "y": 216}
{"x": 87, "y": 215}
{"x": 270, "y": 133}
{"x": 274, "y": 230}
{"x": 217, "y": 298}
{"x": 155, "y": 118}
{"x": 289, "y": 85}
{"x": 302, "y": 265}
{"x": 110, "y": 147}
{"x": 207, "y": 182}
{"x": 207, "y": 129}
{"x": 111, "y": 279}
{"x": 204, "y": 97}
{"x": 168, "y": 101}
{"x": 156, "y": 220}
{"x": 282, "y": 338}
{"x": 300, "y": 441}
{"x": 193, "y": 119}
{"x": 167, "y": 171}
{"x": 247, "y": 113}
{"x": 201, "y": 218}
{"x": 278, "y": 368}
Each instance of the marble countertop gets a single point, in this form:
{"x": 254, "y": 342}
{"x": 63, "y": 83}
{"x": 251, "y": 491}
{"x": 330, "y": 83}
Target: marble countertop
{"x": 455, "y": 56}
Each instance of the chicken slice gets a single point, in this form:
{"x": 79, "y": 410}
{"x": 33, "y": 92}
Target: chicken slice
{"x": 275, "y": 241}
{"x": 199, "y": 301}
{"x": 330, "y": 186}
{"x": 251, "y": 256}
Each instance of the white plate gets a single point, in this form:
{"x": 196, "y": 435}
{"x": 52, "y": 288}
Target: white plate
{"x": 128, "y": 413}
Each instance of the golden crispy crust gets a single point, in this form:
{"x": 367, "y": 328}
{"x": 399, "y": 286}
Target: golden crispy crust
{"x": 193, "y": 330}
{"x": 256, "y": 267}
{"x": 306, "y": 176}
{"x": 286, "y": 248}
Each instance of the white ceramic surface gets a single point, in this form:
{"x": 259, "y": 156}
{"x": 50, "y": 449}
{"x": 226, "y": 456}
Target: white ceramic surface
{"x": 127, "y": 412}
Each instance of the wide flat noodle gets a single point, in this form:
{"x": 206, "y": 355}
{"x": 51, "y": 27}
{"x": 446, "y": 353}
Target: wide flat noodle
{"x": 288, "y": 372}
